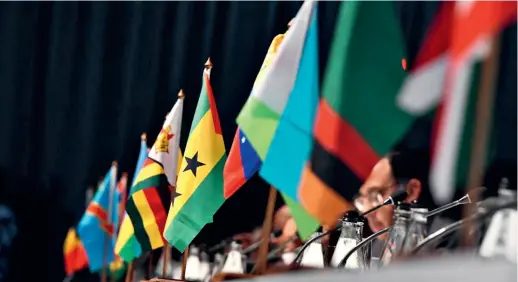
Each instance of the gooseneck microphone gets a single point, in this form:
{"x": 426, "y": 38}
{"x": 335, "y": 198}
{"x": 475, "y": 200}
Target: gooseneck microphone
{"x": 466, "y": 199}
{"x": 361, "y": 244}
{"x": 398, "y": 196}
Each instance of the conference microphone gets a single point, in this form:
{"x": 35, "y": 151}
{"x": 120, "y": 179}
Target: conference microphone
{"x": 220, "y": 246}
{"x": 466, "y": 199}
{"x": 398, "y": 196}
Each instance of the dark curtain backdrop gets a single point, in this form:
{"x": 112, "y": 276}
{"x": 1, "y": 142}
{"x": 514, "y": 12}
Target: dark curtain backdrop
{"x": 80, "y": 81}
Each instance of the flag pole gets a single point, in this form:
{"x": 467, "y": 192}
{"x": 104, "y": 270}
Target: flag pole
{"x": 482, "y": 130}
{"x": 165, "y": 248}
{"x": 260, "y": 266}
{"x": 165, "y": 260}
{"x": 184, "y": 263}
{"x": 150, "y": 265}
{"x": 129, "y": 272}
{"x": 113, "y": 179}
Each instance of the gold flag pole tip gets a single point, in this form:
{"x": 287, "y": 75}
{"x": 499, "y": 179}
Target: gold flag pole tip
{"x": 181, "y": 95}
{"x": 208, "y": 64}
{"x": 143, "y": 136}
{"x": 125, "y": 174}
{"x": 114, "y": 163}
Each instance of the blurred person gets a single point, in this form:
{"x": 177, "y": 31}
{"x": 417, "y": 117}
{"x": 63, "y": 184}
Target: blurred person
{"x": 283, "y": 223}
{"x": 410, "y": 167}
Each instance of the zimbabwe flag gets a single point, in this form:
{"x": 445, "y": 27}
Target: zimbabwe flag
{"x": 199, "y": 191}
{"x": 150, "y": 195}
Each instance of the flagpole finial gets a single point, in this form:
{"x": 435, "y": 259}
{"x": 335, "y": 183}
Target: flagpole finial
{"x": 143, "y": 136}
{"x": 208, "y": 64}
{"x": 115, "y": 163}
{"x": 181, "y": 95}
{"x": 124, "y": 174}
{"x": 291, "y": 22}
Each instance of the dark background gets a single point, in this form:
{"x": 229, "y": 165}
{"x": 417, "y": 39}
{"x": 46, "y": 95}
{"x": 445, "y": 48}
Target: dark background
{"x": 80, "y": 81}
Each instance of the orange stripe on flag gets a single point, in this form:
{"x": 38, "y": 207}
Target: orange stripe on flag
{"x": 321, "y": 201}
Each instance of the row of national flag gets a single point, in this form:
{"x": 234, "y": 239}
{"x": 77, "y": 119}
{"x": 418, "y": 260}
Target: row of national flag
{"x": 307, "y": 139}
{"x": 172, "y": 197}
{"x": 301, "y": 135}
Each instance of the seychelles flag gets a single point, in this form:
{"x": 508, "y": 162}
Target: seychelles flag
{"x": 242, "y": 163}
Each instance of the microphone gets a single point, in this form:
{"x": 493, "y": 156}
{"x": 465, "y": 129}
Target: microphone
{"x": 398, "y": 196}
{"x": 486, "y": 208}
{"x": 220, "y": 246}
{"x": 466, "y": 199}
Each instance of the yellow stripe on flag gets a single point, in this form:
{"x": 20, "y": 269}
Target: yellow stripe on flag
{"x": 125, "y": 233}
{"x": 148, "y": 171}
{"x": 148, "y": 219}
{"x": 210, "y": 148}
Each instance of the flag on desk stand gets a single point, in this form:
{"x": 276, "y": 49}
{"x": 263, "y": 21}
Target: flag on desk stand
{"x": 262, "y": 112}
{"x": 74, "y": 253}
{"x": 117, "y": 267}
{"x": 127, "y": 246}
{"x": 291, "y": 145}
{"x": 96, "y": 228}
{"x": 243, "y": 162}
{"x": 199, "y": 191}
{"x": 475, "y": 24}
{"x": 348, "y": 141}
{"x": 150, "y": 196}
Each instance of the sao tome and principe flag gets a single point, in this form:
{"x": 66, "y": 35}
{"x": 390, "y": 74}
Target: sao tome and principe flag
{"x": 150, "y": 195}
{"x": 99, "y": 223}
{"x": 262, "y": 112}
{"x": 358, "y": 119}
{"x": 199, "y": 191}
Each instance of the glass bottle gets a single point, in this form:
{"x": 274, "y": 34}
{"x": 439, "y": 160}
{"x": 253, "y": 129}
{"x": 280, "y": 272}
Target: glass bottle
{"x": 394, "y": 244}
{"x": 417, "y": 231}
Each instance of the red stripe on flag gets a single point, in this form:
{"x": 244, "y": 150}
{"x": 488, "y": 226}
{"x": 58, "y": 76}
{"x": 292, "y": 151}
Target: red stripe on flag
{"x": 434, "y": 44}
{"x": 483, "y": 18}
{"x": 155, "y": 203}
{"x": 212, "y": 103}
{"x": 76, "y": 259}
{"x": 340, "y": 139}
{"x": 96, "y": 210}
{"x": 233, "y": 173}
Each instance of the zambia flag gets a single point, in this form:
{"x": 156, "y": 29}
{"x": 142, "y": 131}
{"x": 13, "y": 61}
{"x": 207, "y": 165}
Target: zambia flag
{"x": 150, "y": 195}
{"x": 199, "y": 191}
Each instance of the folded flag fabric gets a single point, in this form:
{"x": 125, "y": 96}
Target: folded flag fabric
{"x": 347, "y": 131}
{"x": 74, "y": 253}
{"x": 98, "y": 225}
{"x": 474, "y": 25}
{"x": 291, "y": 145}
{"x": 150, "y": 195}
{"x": 127, "y": 247}
{"x": 262, "y": 111}
{"x": 243, "y": 162}
{"x": 199, "y": 192}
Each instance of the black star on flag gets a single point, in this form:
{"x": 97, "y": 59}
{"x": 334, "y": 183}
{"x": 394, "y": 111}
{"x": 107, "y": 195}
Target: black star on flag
{"x": 174, "y": 195}
{"x": 193, "y": 164}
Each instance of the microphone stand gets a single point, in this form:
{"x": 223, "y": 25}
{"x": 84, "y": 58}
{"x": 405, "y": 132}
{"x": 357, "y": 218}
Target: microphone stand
{"x": 397, "y": 196}
{"x": 362, "y": 243}
{"x": 482, "y": 214}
